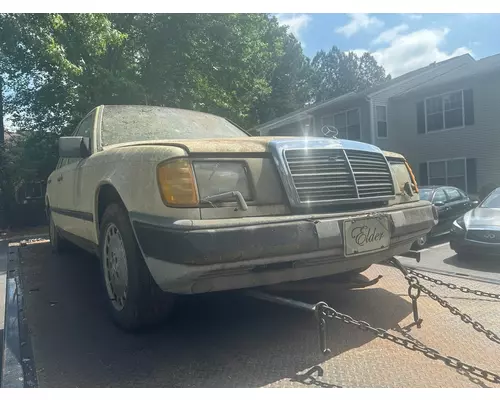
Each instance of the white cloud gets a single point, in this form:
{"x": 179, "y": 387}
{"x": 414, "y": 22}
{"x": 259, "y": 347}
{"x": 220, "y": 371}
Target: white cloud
{"x": 390, "y": 34}
{"x": 415, "y": 50}
{"x": 359, "y": 22}
{"x": 295, "y": 23}
{"x": 415, "y": 17}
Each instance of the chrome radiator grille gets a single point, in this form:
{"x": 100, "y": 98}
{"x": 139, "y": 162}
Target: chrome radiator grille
{"x": 484, "y": 236}
{"x": 371, "y": 173}
{"x": 330, "y": 175}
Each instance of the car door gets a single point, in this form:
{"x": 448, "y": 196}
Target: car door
{"x": 74, "y": 221}
{"x": 468, "y": 204}
{"x": 440, "y": 200}
{"x": 84, "y": 181}
{"x": 457, "y": 202}
{"x": 54, "y": 192}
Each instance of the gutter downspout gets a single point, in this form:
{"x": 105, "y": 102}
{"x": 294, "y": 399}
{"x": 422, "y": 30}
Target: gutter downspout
{"x": 372, "y": 125}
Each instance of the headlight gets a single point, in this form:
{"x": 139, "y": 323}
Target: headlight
{"x": 215, "y": 177}
{"x": 459, "y": 223}
{"x": 185, "y": 183}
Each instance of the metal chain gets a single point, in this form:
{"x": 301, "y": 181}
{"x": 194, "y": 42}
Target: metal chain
{"x": 328, "y": 312}
{"x": 411, "y": 276}
{"x": 452, "y": 286}
{"x": 464, "y": 317}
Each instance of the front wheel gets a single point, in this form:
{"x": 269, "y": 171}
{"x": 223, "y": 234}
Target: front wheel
{"x": 421, "y": 242}
{"x": 134, "y": 299}
{"x": 57, "y": 243}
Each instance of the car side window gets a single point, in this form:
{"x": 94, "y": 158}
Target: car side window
{"x": 439, "y": 195}
{"x": 453, "y": 194}
{"x": 85, "y": 129}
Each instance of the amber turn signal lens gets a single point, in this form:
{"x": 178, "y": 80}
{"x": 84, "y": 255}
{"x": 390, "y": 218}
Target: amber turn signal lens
{"x": 414, "y": 181}
{"x": 177, "y": 184}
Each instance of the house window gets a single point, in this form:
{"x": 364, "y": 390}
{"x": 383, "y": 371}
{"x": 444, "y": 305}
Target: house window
{"x": 458, "y": 172}
{"x": 448, "y": 173}
{"x": 381, "y": 112}
{"x": 348, "y": 124}
{"x": 447, "y": 111}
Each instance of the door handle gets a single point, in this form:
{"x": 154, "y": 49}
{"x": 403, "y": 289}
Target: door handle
{"x": 59, "y": 178}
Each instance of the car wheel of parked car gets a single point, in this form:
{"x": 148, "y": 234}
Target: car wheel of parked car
{"x": 421, "y": 242}
{"x": 57, "y": 243}
{"x": 134, "y": 299}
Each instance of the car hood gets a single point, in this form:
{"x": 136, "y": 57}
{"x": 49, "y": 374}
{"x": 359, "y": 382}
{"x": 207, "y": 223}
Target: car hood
{"x": 259, "y": 144}
{"x": 482, "y": 218}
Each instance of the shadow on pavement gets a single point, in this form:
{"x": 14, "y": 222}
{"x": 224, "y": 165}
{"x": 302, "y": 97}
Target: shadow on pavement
{"x": 475, "y": 262}
{"x": 215, "y": 340}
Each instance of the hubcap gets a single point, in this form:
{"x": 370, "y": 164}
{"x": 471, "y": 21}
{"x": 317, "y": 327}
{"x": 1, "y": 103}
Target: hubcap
{"x": 422, "y": 240}
{"x": 115, "y": 267}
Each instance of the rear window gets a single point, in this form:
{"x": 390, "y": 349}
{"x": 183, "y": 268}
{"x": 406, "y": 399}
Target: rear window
{"x": 425, "y": 194}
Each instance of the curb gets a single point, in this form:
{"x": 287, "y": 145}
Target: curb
{"x": 17, "y": 364}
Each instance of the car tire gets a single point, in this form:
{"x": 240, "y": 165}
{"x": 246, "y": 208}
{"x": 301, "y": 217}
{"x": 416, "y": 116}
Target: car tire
{"x": 134, "y": 300}
{"x": 58, "y": 244}
{"x": 421, "y": 242}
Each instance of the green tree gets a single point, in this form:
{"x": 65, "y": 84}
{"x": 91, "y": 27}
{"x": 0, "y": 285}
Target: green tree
{"x": 290, "y": 81}
{"x": 336, "y": 73}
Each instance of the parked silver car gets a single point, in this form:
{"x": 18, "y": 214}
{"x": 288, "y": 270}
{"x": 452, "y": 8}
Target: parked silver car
{"x": 478, "y": 231}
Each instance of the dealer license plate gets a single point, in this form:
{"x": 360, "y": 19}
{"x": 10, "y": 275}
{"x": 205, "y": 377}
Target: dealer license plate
{"x": 366, "y": 235}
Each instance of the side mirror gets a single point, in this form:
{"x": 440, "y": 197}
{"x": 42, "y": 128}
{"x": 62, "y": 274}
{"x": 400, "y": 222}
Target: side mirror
{"x": 74, "y": 146}
{"x": 439, "y": 203}
{"x": 474, "y": 203}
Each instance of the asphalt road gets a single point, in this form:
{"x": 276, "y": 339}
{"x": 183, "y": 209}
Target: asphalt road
{"x": 438, "y": 256}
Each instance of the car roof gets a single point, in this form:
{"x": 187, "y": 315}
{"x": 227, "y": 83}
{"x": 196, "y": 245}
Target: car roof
{"x": 435, "y": 187}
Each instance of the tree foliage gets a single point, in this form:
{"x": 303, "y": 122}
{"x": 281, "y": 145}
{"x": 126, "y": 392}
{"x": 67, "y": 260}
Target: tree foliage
{"x": 56, "y": 67}
{"x": 336, "y": 73}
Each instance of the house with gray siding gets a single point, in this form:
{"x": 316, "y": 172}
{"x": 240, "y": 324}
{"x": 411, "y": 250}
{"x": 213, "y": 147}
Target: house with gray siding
{"x": 445, "y": 118}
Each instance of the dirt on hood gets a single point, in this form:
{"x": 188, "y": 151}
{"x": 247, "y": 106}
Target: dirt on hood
{"x": 230, "y": 145}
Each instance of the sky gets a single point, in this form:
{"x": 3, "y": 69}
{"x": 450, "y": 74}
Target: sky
{"x": 399, "y": 42}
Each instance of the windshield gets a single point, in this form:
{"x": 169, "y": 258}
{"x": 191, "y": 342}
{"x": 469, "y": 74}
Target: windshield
{"x": 492, "y": 201}
{"x": 121, "y": 124}
{"x": 425, "y": 194}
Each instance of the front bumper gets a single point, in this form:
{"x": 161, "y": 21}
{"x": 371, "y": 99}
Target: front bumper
{"x": 460, "y": 243}
{"x": 187, "y": 256}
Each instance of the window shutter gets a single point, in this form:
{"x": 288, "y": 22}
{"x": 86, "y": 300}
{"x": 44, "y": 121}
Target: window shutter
{"x": 468, "y": 107}
{"x": 423, "y": 179}
{"x": 471, "y": 176}
{"x": 420, "y": 117}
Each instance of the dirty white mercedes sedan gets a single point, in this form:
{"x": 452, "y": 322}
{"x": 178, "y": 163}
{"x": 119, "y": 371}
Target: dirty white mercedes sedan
{"x": 181, "y": 202}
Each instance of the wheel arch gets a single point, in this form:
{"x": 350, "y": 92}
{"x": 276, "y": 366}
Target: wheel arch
{"x": 106, "y": 194}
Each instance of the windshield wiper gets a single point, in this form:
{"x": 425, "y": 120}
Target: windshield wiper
{"x": 227, "y": 196}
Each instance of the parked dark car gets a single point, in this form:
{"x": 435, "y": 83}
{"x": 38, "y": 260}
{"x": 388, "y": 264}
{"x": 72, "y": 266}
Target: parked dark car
{"x": 450, "y": 202}
{"x": 478, "y": 231}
